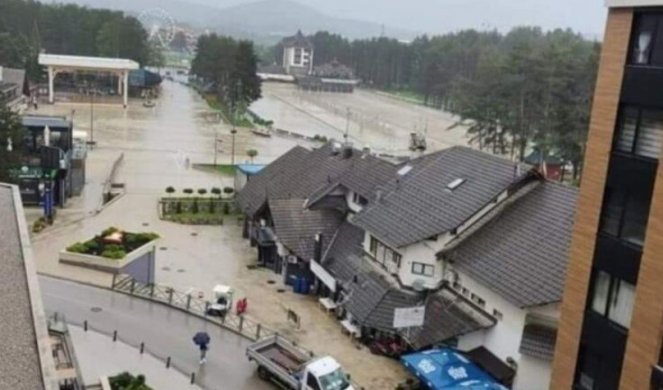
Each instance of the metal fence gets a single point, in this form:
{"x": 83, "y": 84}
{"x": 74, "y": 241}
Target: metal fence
{"x": 239, "y": 324}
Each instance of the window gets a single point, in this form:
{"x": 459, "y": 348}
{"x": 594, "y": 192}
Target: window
{"x": 465, "y": 291}
{"x": 613, "y": 298}
{"x": 423, "y": 269}
{"x": 311, "y": 382}
{"x": 383, "y": 254}
{"x": 625, "y": 215}
{"x": 643, "y": 40}
{"x": 640, "y": 132}
{"x": 455, "y": 184}
{"x": 588, "y": 368}
{"x": 358, "y": 199}
{"x": 498, "y": 314}
{"x": 298, "y": 56}
{"x": 456, "y": 285}
{"x": 478, "y": 300}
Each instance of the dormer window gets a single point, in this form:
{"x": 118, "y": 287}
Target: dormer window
{"x": 455, "y": 184}
{"x": 405, "y": 170}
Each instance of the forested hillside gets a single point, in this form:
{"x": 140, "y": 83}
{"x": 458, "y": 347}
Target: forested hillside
{"x": 516, "y": 90}
{"x": 28, "y": 27}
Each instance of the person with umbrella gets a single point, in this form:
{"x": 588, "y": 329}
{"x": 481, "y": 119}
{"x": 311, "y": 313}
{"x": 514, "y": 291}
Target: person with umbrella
{"x": 202, "y": 339}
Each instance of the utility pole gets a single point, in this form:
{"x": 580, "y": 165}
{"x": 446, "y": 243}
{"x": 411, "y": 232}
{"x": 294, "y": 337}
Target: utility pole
{"x": 347, "y": 126}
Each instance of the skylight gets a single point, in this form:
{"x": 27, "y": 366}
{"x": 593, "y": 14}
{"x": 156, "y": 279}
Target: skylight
{"x": 404, "y": 171}
{"x": 455, "y": 184}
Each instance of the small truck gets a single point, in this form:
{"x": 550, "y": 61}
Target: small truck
{"x": 282, "y": 362}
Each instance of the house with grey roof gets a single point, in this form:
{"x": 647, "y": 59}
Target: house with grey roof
{"x": 477, "y": 241}
{"x": 513, "y": 268}
{"x": 13, "y": 83}
{"x": 297, "y": 54}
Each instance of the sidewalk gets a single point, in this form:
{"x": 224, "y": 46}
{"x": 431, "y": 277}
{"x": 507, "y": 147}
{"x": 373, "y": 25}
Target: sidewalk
{"x": 99, "y": 356}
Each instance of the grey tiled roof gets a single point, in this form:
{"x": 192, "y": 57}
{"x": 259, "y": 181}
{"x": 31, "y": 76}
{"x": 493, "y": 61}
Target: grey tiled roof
{"x": 296, "y": 226}
{"x": 522, "y": 253}
{"x": 538, "y": 341}
{"x": 372, "y": 301}
{"x": 447, "y": 315}
{"x": 301, "y": 173}
{"x": 20, "y": 366}
{"x": 254, "y": 194}
{"x": 297, "y": 40}
{"x": 343, "y": 257}
{"x": 418, "y": 205}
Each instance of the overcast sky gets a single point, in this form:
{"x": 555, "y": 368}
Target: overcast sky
{"x": 434, "y": 16}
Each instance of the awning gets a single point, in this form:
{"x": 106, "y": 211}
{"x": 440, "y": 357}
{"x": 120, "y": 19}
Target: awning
{"x": 446, "y": 369}
{"x": 323, "y": 275}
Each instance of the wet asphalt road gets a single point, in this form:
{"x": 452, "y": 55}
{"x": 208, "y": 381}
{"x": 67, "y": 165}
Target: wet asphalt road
{"x": 165, "y": 332}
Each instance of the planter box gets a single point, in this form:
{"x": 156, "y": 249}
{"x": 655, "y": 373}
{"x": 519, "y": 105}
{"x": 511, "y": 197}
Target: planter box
{"x": 139, "y": 263}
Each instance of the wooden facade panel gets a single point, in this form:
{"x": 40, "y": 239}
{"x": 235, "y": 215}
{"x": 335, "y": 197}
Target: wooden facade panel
{"x": 599, "y": 143}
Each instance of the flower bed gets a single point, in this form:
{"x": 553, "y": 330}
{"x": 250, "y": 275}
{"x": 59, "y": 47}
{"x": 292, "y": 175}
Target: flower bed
{"x": 112, "y": 244}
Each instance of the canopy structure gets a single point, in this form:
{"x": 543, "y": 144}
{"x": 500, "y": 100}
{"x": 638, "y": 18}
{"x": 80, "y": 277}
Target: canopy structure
{"x": 56, "y": 63}
{"x": 446, "y": 369}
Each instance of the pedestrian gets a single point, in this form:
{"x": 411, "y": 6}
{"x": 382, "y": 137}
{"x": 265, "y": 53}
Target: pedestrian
{"x": 202, "y": 339}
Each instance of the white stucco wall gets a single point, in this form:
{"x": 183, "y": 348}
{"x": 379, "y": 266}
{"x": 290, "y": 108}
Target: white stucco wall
{"x": 354, "y": 207}
{"x": 533, "y": 374}
{"x": 503, "y": 339}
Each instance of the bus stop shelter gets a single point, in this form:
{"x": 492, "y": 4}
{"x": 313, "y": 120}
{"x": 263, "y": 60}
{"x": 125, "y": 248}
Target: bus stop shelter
{"x": 56, "y": 63}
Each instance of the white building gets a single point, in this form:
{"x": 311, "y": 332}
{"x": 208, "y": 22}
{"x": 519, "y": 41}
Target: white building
{"x": 298, "y": 55}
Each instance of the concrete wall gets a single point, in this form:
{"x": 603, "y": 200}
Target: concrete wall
{"x": 142, "y": 268}
{"x": 533, "y": 374}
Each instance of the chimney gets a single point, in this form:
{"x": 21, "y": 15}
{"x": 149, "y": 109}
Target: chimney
{"x": 0, "y": 73}
{"x": 378, "y": 196}
{"x": 317, "y": 256}
{"x": 365, "y": 151}
{"x": 347, "y": 150}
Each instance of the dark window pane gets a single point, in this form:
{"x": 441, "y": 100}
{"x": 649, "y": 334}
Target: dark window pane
{"x": 643, "y": 40}
{"x": 613, "y": 207}
{"x": 635, "y": 219}
{"x": 626, "y": 133}
{"x": 600, "y": 293}
{"x": 650, "y": 134}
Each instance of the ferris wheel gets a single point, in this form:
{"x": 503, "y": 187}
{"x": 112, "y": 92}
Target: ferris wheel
{"x": 159, "y": 24}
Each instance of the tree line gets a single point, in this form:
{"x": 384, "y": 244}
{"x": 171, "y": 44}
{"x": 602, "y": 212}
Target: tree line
{"x": 230, "y": 67}
{"x": 28, "y": 27}
{"x": 514, "y": 91}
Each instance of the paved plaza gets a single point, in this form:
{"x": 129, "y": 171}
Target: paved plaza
{"x": 156, "y": 143}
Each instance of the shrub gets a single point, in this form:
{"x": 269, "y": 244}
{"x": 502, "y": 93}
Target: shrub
{"x": 202, "y": 191}
{"x": 226, "y": 208}
{"x": 178, "y": 207}
{"x": 194, "y": 209}
{"x": 252, "y": 153}
{"x": 188, "y": 191}
{"x": 228, "y": 190}
{"x": 79, "y": 247}
{"x": 115, "y": 252}
{"x": 216, "y": 191}
{"x": 170, "y": 190}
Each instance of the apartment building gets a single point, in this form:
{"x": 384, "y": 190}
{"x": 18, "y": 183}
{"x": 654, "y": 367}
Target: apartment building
{"x": 611, "y": 322}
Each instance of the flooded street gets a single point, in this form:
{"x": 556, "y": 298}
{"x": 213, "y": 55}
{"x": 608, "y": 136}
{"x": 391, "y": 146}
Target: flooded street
{"x": 376, "y": 120}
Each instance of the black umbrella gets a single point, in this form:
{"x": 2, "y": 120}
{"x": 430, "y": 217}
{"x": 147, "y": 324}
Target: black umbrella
{"x": 201, "y": 338}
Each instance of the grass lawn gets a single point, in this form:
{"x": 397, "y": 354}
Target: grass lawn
{"x": 407, "y": 95}
{"x": 226, "y": 169}
{"x": 241, "y": 121}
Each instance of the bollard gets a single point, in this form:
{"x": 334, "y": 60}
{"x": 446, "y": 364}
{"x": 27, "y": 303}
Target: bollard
{"x": 168, "y": 362}
{"x": 258, "y": 331}
{"x": 193, "y": 377}
{"x": 152, "y": 290}
{"x": 170, "y": 296}
{"x": 114, "y": 335}
{"x": 188, "y": 302}
{"x": 85, "y": 325}
{"x": 133, "y": 286}
{"x": 142, "y": 348}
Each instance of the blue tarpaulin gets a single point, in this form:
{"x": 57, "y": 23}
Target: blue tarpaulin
{"x": 446, "y": 369}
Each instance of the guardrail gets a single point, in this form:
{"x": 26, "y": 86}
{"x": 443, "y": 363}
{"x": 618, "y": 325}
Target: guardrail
{"x": 239, "y": 324}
